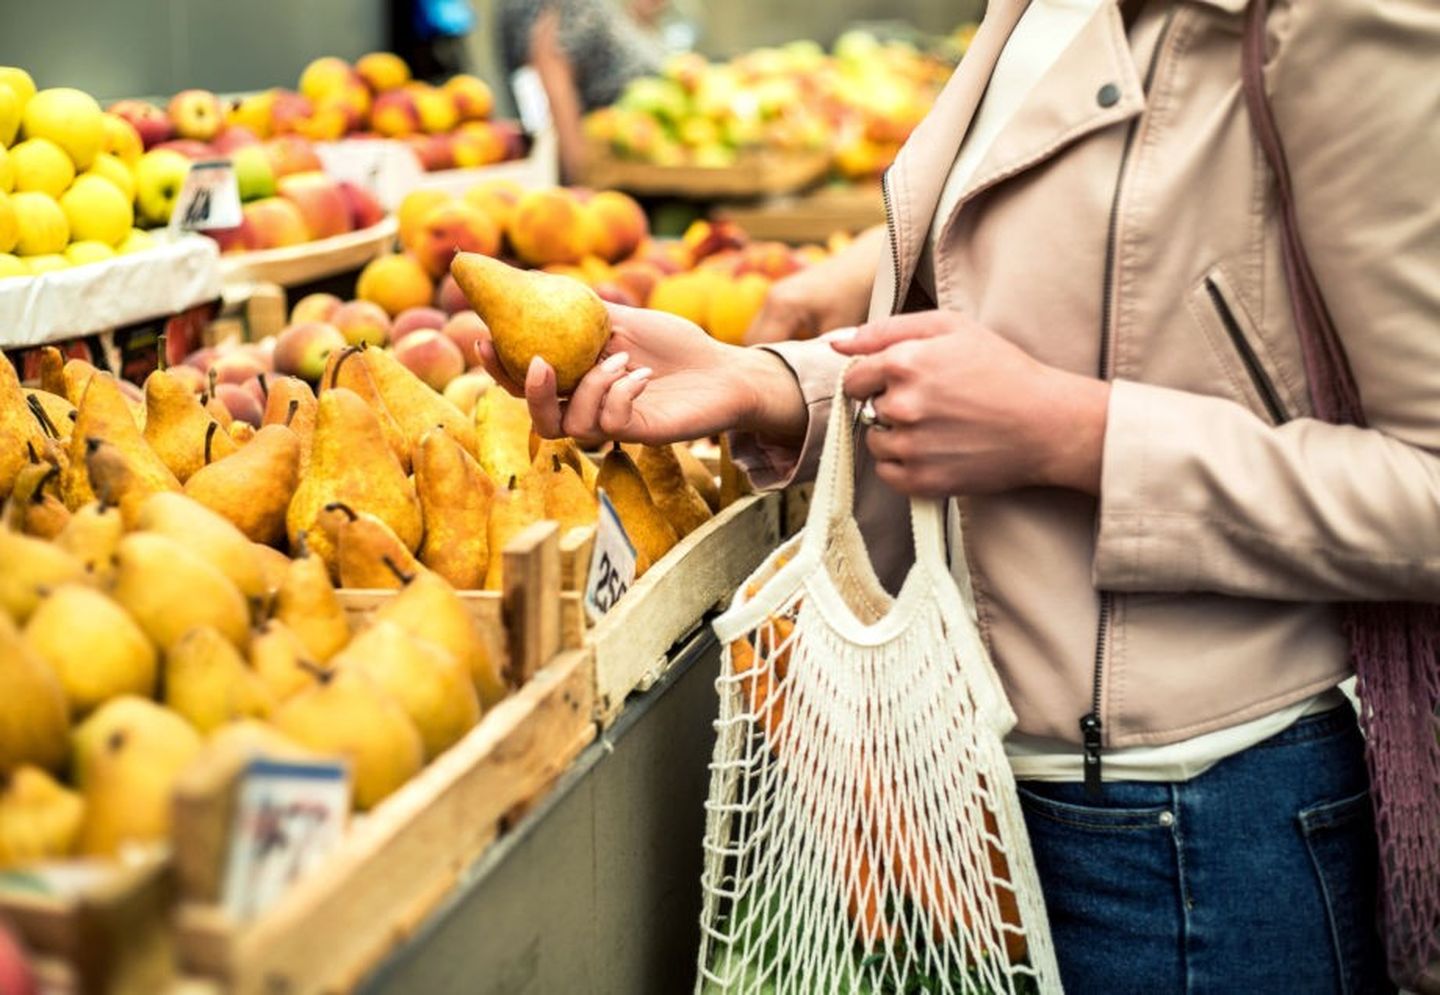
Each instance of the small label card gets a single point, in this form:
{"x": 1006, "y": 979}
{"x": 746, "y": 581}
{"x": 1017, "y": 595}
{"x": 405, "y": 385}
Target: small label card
{"x": 209, "y": 198}
{"x": 612, "y": 564}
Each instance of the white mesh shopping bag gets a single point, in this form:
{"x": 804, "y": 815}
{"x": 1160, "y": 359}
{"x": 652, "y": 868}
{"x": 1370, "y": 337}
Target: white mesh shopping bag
{"x": 863, "y": 832}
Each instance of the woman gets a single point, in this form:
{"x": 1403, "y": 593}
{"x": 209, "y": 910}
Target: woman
{"x": 584, "y": 52}
{"x": 1092, "y": 350}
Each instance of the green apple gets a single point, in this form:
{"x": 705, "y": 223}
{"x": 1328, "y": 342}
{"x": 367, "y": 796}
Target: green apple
{"x": 159, "y": 175}
{"x": 253, "y": 172}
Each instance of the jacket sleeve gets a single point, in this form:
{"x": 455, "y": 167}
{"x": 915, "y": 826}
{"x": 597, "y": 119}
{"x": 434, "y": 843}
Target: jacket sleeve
{"x": 1198, "y": 493}
{"x": 817, "y": 369}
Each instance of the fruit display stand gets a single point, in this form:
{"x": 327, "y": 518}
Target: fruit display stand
{"x": 168, "y": 278}
{"x": 294, "y": 265}
{"x": 396, "y": 864}
{"x": 811, "y": 217}
{"x": 755, "y": 173}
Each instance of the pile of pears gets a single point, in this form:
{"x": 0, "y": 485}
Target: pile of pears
{"x": 168, "y": 579}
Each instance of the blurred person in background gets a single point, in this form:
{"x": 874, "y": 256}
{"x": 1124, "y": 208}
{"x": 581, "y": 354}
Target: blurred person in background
{"x": 583, "y": 52}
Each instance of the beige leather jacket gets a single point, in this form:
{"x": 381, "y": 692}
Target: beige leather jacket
{"x": 1124, "y": 225}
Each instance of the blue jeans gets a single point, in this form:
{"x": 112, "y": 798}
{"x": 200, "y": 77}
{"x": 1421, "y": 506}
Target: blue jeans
{"x": 1258, "y": 876}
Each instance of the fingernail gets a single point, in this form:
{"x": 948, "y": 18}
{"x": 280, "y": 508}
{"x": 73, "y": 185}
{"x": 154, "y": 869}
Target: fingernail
{"x": 641, "y": 374}
{"x": 616, "y": 362}
{"x": 840, "y": 335}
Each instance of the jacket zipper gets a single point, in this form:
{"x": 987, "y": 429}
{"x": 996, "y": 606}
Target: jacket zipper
{"x": 894, "y": 242}
{"x": 1092, "y": 727}
{"x": 1264, "y": 386}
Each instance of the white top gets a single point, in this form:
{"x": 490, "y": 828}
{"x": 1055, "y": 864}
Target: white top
{"x": 1043, "y": 32}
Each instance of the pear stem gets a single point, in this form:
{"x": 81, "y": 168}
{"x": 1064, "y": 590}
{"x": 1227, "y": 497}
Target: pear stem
{"x": 39, "y": 494}
{"x": 321, "y": 674}
{"x": 511, "y": 486}
{"x": 210, "y": 431}
{"x": 345, "y": 354}
{"x": 342, "y": 506}
{"x": 162, "y": 352}
{"x": 400, "y": 575}
{"x": 30, "y": 448}
{"x": 290, "y": 411}
{"x": 212, "y": 378}
{"x": 302, "y": 544}
{"x": 38, "y": 410}
{"x": 264, "y": 386}
{"x": 554, "y": 463}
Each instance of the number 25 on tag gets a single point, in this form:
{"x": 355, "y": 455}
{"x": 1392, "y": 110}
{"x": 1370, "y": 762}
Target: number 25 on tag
{"x": 612, "y": 565}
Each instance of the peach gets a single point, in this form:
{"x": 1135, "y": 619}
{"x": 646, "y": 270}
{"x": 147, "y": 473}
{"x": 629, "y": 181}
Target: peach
{"x": 189, "y": 148}
{"x": 550, "y": 226}
{"x": 241, "y": 238}
{"x": 704, "y": 238}
{"x": 449, "y": 297}
{"x": 288, "y": 112}
{"x": 496, "y": 198}
{"x": 327, "y": 123}
{"x": 252, "y": 112}
{"x": 321, "y": 204}
{"x": 365, "y": 207}
{"x": 412, "y": 211}
{"x": 238, "y": 367}
{"x": 383, "y": 71}
{"x": 437, "y": 110}
{"x": 362, "y": 322}
{"x": 275, "y": 222}
{"x": 477, "y": 144}
{"x": 241, "y": 403}
{"x": 517, "y": 143}
{"x": 414, "y": 319}
{"x": 687, "y": 294}
{"x": 325, "y": 76}
{"x": 435, "y": 152}
{"x": 301, "y": 350}
{"x": 596, "y": 270}
{"x": 190, "y": 377}
{"x": 725, "y": 262}
{"x": 431, "y": 357}
{"x": 450, "y": 228}
{"x": 734, "y": 308}
{"x": 668, "y": 257}
{"x": 395, "y": 282}
{"x": 621, "y": 222}
{"x": 314, "y": 307}
{"x": 638, "y": 277}
{"x": 465, "y": 329}
{"x": 292, "y": 154}
{"x": 394, "y": 114}
{"x": 471, "y": 96}
{"x": 770, "y": 259}
{"x": 466, "y": 390}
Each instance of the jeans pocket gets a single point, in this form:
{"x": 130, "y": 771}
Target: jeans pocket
{"x": 1099, "y": 818}
{"x": 1340, "y": 837}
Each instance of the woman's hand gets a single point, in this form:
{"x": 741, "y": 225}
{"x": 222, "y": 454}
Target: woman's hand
{"x": 963, "y": 411}
{"x": 661, "y": 379}
{"x": 831, "y": 294}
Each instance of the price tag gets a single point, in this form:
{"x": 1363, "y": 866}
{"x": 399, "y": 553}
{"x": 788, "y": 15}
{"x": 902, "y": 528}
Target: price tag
{"x": 531, "y": 102}
{"x": 612, "y": 564}
{"x": 209, "y": 198}
{"x": 288, "y": 816}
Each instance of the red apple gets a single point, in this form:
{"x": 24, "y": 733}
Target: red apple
{"x": 150, "y": 121}
{"x": 275, "y": 222}
{"x": 234, "y": 136}
{"x": 321, "y": 204}
{"x": 431, "y": 356}
{"x": 292, "y": 154}
{"x": 196, "y": 114}
{"x": 414, "y": 319}
{"x": 189, "y": 148}
{"x": 435, "y": 152}
{"x": 288, "y": 112}
{"x": 314, "y": 307}
{"x": 465, "y": 328}
{"x": 301, "y": 350}
{"x": 362, "y": 322}
{"x": 449, "y": 297}
{"x": 241, "y": 238}
{"x": 365, "y": 208}
{"x": 394, "y": 114}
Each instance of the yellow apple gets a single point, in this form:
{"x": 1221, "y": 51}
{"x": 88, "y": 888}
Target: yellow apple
{"x": 109, "y": 167}
{"x": 47, "y": 263}
{"x": 68, "y": 117}
{"x": 9, "y": 114}
{"x": 80, "y": 253}
{"x": 18, "y": 80}
{"x": 137, "y": 241}
{"x": 97, "y": 211}
{"x": 7, "y": 172}
{"x": 12, "y": 266}
{"x": 159, "y": 175}
{"x": 42, "y": 224}
{"x": 9, "y": 225}
{"x": 121, "y": 139}
{"x": 41, "y": 166}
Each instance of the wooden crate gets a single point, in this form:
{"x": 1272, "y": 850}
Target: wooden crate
{"x": 633, "y": 641}
{"x": 110, "y": 937}
{"x": 398, "y": 862}
{"x": 755, "y": 174}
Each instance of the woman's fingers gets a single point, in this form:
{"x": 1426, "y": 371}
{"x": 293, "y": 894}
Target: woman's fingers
{"x": 866, "y": 378}
{"x": 485, "y": 349}
{"x": 545, "y": 409}
{"x": 878, "y": 336}
{"x": 618, "y": 407}
{"x": 581, "y": 419}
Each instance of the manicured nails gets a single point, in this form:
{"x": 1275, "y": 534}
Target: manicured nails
{"x": 615, "y": 363}
{"x": 840, "y": 335}
{"x": 641, "y": 375}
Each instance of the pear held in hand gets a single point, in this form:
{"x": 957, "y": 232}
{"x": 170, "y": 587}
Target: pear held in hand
{"x": 535, "y": 314}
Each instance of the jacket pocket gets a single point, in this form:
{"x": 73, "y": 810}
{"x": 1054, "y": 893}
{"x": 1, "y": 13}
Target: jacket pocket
{"x": 1340, "y": 837}
{"x": 1241, "y": 342}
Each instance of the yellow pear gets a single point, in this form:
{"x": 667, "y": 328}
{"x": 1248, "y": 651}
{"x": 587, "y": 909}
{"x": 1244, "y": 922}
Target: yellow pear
{"x": 95, "y": 648}
{"x": 57, "y": 414}
{"x": 567, "y": 500}
{"x": 307, "y": 605}
{"x": 252, "y": 737}
{"x": 76, "y": 374}
{"x": 351, "y": 462}
{"x": 128, "y": 755}
{"x": 34, "y": 718}
{"x": 429, "y": 608}
{"x": 291, "y": 402}
{"x": 681, "y": 504}
{"x": 28, "y": 568}
{"x": 427, "y": 680}
{"x": 644, "y": 523}
{"x": 92, "y": 535}
{"x": 531, "y": 313}
{"x": 733, "y": 483}
{"x": 542, "y": 449}
{"x": 368, "y": 553}
{"x": 114, "y": 479}
{"x": 34, "y": 506}
{"x": 215, "y": 406}
{"x": 273, "y": 566}
{"x": 104, "y": 414}
{"x": 242, "y": 433}
{"x": 39, "y": 817}
{"x": 699, "y": 476}
{"x": 346, "y": 714}
{"x": 253, "y": 488}
{"x": 344, "y": 369}
{"x": 455, "y": 496}
{"x": 502, "y": 435}
{"x": 176, "y": 426}
{"x": 280, "y": 660}
{"x": 52, "y": 372}
{"x": 208, "y": 535}
{"x": 414, "y": 403}
{"x": 170, "y": 590}
{"x": 17, "y": 427}
{"x": 514, "y": 508}
{"x": 208, "y": 683}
